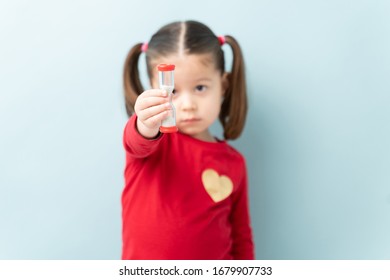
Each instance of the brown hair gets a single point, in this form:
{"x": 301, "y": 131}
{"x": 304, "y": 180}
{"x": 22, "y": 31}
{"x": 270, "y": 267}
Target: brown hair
{"x": 194, "y": 38}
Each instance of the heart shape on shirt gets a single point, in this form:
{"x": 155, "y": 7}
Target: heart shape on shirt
{"x": 218, "y": 187}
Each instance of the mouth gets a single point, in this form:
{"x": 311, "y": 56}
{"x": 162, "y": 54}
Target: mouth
{"x": 189, "y": 120}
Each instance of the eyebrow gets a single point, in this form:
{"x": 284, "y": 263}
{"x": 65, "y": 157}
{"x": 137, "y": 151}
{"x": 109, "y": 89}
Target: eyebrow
{"x": 203, "y": 79}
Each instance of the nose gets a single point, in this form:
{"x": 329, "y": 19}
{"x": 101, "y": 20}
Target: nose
{"x": 186, "y": 102}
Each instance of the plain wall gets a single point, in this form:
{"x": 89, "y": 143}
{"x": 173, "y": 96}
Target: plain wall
{"x": 316, "y": 140}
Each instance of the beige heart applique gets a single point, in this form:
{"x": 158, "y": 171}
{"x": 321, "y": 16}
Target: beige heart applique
{"x": 218, "y": 187}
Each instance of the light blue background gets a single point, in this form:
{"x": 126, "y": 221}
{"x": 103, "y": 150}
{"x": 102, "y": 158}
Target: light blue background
{"x": 316, "y": 140}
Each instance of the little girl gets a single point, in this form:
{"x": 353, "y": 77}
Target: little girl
{"x": 186, "y": 193}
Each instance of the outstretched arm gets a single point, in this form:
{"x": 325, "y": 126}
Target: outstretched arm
{"x": 141, "y": 135}
{"x": 136, "y": 145}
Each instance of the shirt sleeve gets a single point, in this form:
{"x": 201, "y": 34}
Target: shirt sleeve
{"x": 243, "y": 248}
{"x": 135, "y": 144}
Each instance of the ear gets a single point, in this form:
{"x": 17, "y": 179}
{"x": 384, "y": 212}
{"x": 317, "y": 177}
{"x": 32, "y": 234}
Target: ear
{"x": 225, "y": 82}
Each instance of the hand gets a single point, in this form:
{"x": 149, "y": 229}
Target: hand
{"x": 151, "y": 107}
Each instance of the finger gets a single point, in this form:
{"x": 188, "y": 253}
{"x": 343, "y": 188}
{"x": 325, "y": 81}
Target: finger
{"x": 154, "y": 110}
{"x": 156, "y": 119}
{"x": 144, "y": 103}
{"x": 155, "y": 92}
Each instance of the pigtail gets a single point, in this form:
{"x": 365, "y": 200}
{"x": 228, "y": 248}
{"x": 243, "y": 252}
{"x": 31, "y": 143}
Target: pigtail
{"x": 131, "y": 78}
{"x": 235, "y": 104}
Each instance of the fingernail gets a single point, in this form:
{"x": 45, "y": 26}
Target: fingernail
{"x": 164, "y": 93}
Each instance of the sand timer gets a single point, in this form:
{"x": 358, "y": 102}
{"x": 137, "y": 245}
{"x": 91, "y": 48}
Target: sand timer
{"x": 166, "y": 81}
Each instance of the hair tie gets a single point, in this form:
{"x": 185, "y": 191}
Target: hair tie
{"x": 222, "y": 40}
{"x": 144, "y": 47}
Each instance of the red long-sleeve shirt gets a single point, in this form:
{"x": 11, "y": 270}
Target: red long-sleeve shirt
{"x": 184, "y": 199}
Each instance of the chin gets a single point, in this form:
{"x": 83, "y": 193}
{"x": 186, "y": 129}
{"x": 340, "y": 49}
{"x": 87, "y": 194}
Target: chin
{"x": 189, "y": 131}
{"x": 195, "y": 133}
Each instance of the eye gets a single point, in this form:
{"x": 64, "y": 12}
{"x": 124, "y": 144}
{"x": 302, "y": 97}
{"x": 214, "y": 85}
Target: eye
{"x": 201, "y": 88}
{"x": 173, "y": 91}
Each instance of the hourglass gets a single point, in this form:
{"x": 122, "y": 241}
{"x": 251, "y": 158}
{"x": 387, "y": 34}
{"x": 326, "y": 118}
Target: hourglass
{"x": 166, "y": 82}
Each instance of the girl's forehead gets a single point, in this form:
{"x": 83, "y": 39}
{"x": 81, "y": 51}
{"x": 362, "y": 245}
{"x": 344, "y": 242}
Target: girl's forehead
{"x": 188, "y": 62}
{"x": 189, "y": 67}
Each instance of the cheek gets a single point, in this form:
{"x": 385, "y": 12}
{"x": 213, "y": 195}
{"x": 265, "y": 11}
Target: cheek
{"x": 175, "y": 101}
{"x": 212, "y": 105}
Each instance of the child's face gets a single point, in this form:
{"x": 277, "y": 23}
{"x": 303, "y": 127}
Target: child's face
{"x": 199, "y": 89}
